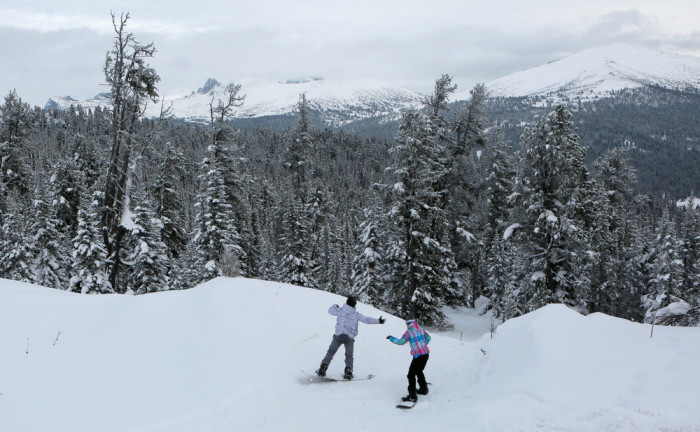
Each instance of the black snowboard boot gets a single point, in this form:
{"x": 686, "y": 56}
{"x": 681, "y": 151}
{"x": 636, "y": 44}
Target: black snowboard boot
{"x": 410, "y": 398}
{"x": 348, "y": 373}
{"x": 322, "y": 370}
{"x": 423, "y": 391}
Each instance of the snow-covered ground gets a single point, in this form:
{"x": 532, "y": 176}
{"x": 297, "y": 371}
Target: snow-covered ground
{"x": 228, "y": 356}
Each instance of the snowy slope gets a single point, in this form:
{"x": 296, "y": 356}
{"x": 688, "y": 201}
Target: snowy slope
{"x": 227, "y": 355}
{"x": 338, "y": 103}
{"x": 598, "y": 71}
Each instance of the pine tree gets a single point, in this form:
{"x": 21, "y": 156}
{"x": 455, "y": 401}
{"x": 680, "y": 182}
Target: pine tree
{"x": 554, "y": 234}
{"x": 296, "y": 266}
{"x": 49, "y": 255}
{"x": 664, "y": 267}
{"x": 16, "y": 122}
{"x": 503, "y": 276}
{"x": 369, "y": 274}
{"x": 425, "y": 272}
{"x": 65, "y": 192}
{"x": 89, "y": 264}
{"x": 216, "y": 237}
{"x": 15, "y": 254}
{"x": 147, "y": 259}
{"x": 168, "y": 202}
{"x": 615, "y": 280}
{"x": 296, "y": 243}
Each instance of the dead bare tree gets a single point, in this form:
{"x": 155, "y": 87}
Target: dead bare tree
{"x": 132, "y": 83}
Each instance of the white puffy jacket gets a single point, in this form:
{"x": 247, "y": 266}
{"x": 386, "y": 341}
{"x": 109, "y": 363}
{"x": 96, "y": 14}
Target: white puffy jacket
{"x": 348, "y": 318}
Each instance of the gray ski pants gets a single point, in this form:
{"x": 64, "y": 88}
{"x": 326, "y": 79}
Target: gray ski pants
{"x": 335, "y": 344}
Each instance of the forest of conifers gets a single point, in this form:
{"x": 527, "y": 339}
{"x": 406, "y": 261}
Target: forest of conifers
{"x": 452, "y": 208}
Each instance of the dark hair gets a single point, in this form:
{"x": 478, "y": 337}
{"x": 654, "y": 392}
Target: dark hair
{"x": 351, "y": 301}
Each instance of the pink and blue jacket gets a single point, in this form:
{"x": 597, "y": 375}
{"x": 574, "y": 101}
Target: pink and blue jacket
{"x": 417, "y": 337}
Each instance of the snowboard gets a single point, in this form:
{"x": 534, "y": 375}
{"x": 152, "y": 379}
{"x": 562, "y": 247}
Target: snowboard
{"x": 406, "y": 405}
{"x": 313, "y": 378}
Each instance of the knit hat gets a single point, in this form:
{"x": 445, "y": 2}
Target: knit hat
{"x": 351, "y": 301}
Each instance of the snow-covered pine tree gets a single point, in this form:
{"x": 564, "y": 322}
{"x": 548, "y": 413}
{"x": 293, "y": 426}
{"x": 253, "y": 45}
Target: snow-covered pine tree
{"x": 664, "y": 267}
{"x": 49, "y": 263}
{"x": 467, "y": 206}
{"x": 689, "y": 237}
{"x": 503, "y": 276}
{"x": 65, "y": 193}
{"x": 262, "y": 261}
{"x": 296, "y": 265}
{"x": 88, "y": 269}
{"x": 216, "y": 235}
{"x": 425, "y": 274}
{"x": 368, "y": 270}
{"x": 168, "y": 202}
{"x": 15, "y": 254}
{"x": 615, "y": 279}
{"x": 16, "y": 121}
{"x": 324, "y": 238}
{"x": 553, "y": 243}
{"x": 297, "y": 153}
{"x": 146, "y": 258}
{"x": 295, "y": 242}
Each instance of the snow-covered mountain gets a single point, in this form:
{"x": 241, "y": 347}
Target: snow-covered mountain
{"x": 337, "y": 103}
{"x": 228, "y": 355}
{"x": 598, "y": 71}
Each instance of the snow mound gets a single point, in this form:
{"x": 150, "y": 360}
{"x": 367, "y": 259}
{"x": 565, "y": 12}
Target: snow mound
{"x": 228, "y": 355}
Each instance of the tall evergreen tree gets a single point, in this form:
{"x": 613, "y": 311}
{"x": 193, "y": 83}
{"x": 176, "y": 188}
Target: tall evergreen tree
{"x": 296, "y": 266}
{"x": 424, "y": 275}
{"x": 553, "y": 234}
{"x": 147, "y": 259}
{"x": 15, "y": 253}
{"x": 216, "y": 238}
{"x": 168, "y": 202}
{"x": 369, "y": 272}
{"x": 88, "y": 270}
{"x": 49, "y": 263}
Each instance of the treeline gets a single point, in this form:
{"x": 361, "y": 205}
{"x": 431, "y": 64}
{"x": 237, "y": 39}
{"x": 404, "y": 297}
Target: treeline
{"x": 103, "y": 201}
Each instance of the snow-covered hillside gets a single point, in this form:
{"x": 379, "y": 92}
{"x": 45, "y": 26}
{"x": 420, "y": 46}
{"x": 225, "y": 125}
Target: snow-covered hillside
{"x": 598, "y": 71}
{"x": 228, "y": 355}
{"x": 338, "y": 103}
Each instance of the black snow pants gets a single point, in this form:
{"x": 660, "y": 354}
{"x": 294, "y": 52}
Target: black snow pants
{"x": 415, "y": 371}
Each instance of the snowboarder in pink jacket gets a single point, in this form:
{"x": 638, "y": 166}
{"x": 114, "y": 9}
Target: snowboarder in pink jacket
{"x": 418, "y": 338}
{"x": 346, "y": 329}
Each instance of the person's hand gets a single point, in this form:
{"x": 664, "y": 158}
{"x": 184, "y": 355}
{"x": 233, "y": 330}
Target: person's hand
{"x": 381, "y": 320}
{"x": 388, "y": 337}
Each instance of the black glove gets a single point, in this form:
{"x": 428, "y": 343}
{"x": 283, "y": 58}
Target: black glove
{"x": 381, "y": 320}
{"x": 388, "y": 337}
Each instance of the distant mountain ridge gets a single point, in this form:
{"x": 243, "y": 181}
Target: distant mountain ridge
{"x": 597, "y": 72}
{"x": 587, "y": 75}
{"x": 337, "y": 103}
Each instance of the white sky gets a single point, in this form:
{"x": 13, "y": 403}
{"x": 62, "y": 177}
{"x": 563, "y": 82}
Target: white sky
{"x": 52, "y": 48}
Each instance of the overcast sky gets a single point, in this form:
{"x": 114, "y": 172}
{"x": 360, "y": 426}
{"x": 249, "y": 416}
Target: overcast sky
{"x": 57, "y": 48}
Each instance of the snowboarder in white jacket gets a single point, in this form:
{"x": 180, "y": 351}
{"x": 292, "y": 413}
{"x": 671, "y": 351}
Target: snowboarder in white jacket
{"x": 346, "y": 329}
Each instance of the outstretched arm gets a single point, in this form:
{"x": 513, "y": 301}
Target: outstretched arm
{"x": 368, "y": 320}
{"x": 334, "y": 310}
{"x": 401, "y": 341}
